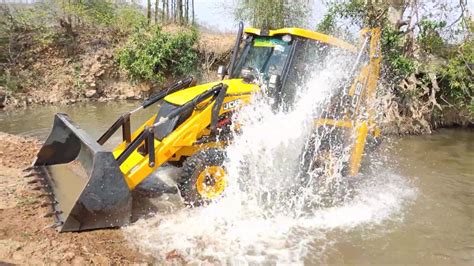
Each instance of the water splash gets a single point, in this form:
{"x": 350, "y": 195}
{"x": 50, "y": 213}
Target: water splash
{"x": 249, "y": 224}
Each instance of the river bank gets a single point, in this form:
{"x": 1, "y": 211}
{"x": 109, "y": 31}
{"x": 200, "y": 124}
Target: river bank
{"x": 24, "y": 236}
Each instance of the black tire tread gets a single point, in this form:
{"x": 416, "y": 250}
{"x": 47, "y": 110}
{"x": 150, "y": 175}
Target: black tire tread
{"x": 192, "y": 166}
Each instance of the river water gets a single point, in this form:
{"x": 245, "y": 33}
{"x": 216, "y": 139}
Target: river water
{"x": 416, "y": 205}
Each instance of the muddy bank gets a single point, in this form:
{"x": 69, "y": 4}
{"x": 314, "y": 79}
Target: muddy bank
{"x": 24, "y": 236}
{"x": 49, "y": 75}
{"x": 87, "y": 69}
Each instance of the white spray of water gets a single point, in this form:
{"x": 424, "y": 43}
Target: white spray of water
{"x": 239, "y": 229}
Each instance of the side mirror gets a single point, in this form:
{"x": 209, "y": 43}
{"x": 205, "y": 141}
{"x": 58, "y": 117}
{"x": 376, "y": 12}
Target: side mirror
{"x": 274, "y": 81}
{"x": 221, "y": 71}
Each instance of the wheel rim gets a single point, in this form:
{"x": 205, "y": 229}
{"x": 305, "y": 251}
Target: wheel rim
{"x": 211, "y": 182}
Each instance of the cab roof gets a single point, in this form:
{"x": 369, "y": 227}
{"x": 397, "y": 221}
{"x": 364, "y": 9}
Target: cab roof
{"x": 308, "y": 34}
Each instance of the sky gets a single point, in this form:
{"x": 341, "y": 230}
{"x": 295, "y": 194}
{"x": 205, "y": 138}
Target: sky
{"x": 217, "y": 14}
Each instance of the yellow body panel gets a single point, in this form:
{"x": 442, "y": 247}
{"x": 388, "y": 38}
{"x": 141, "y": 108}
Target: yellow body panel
{"x": 306, "y": 34}
{"x": 235, "y": 87}
{"x": 181, "y": 142}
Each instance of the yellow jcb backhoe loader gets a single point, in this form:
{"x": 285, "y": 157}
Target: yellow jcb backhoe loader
{"x": 89, "y": 187}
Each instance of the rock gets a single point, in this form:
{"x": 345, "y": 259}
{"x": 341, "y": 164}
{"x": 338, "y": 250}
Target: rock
{"x": 99, "y": 73}
{"x": 129, "y": 95}
{"x": 102, "y": 100}
{"x": 144, "y": 86}
{"x": 95, "y": 68}
{"x": 78, "y": 260}
{"x": 91, "y": 93}
{"x": 68, "y": 256}
{"x": 53, "y": 98}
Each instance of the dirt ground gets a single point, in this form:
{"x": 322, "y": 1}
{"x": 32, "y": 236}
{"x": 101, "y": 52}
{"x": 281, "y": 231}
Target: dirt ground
{"x": 24, "y": 236}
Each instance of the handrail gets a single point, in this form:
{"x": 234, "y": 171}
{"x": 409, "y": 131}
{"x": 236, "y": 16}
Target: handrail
{"x": 124, "y": 120}
{"x": 147, "y": 135}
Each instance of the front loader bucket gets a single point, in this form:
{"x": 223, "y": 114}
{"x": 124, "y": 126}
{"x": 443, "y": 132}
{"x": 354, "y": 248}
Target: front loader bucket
{"x": 82, "y": 180}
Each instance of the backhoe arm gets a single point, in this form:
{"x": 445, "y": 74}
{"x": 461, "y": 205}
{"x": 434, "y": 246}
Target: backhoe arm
{"x": 359, "y": 114}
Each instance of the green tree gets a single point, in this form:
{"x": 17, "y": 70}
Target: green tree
{"x": 272, "y": 13}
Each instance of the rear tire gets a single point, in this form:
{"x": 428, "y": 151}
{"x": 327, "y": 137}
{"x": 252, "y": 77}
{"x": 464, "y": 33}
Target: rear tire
{"x": 203, "y": 177}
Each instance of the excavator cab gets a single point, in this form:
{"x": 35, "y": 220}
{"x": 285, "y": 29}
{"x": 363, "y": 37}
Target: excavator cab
{"x": 281, "y": 61}
{"x": 87, "y": 186}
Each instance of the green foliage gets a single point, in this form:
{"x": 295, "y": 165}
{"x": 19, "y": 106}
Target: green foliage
{"x": 458, "y": 74}
{"x": 92, "y": 11}
{"x": 129, "y": 18}
{"x": 392, "y": 43}
{"x": 429, "y": 37}
{"x": 362, "y": 14}
{"x": 151, "y": 55}
{"x": 328, "y": 23}
{"x": 124, "y": 17}
{"x": 78, "y": 84}
{"x": 272, "y": 14}
{"x": 356, "y": 12}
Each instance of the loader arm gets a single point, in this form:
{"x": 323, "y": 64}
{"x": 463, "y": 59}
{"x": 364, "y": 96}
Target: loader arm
{"x": 145, "y": 153}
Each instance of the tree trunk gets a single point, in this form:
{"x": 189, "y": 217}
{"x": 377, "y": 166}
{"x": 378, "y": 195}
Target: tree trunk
{"x": 156, "y": 11}
{"x": 163, "y": 11}
{"x": 179, "y": 8}
{"x": 192, "y": 5}
{"x": 186, "y": 11}
{"x": 173, "y": 9}
{"x": 395, "y": 11}
{"x": 148, "y": 11}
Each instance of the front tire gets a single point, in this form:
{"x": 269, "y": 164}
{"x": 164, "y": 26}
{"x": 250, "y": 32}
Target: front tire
{"x": 204, "y": 177}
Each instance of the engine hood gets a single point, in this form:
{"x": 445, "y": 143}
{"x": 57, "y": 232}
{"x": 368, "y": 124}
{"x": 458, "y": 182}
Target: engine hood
{"x": 235, "y": 87}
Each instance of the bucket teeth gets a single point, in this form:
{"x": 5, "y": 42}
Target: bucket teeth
{"x": 27, "y": 169}
{"x": 47, "y": 204}
{"x": 50, "y": 214}
{"x": 54, "y": 225}
{"x": 40, "y": 187}
{"x": 31, "y": 174}
{"x": 36, "y": 180}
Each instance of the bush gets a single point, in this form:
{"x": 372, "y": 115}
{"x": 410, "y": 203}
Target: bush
{"x": 152, "y": 55}
{"x": 458, "y": 76}
{"x": 392, "y": 49}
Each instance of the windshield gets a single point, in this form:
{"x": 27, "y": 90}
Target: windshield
{"x": 265, "y": 55}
